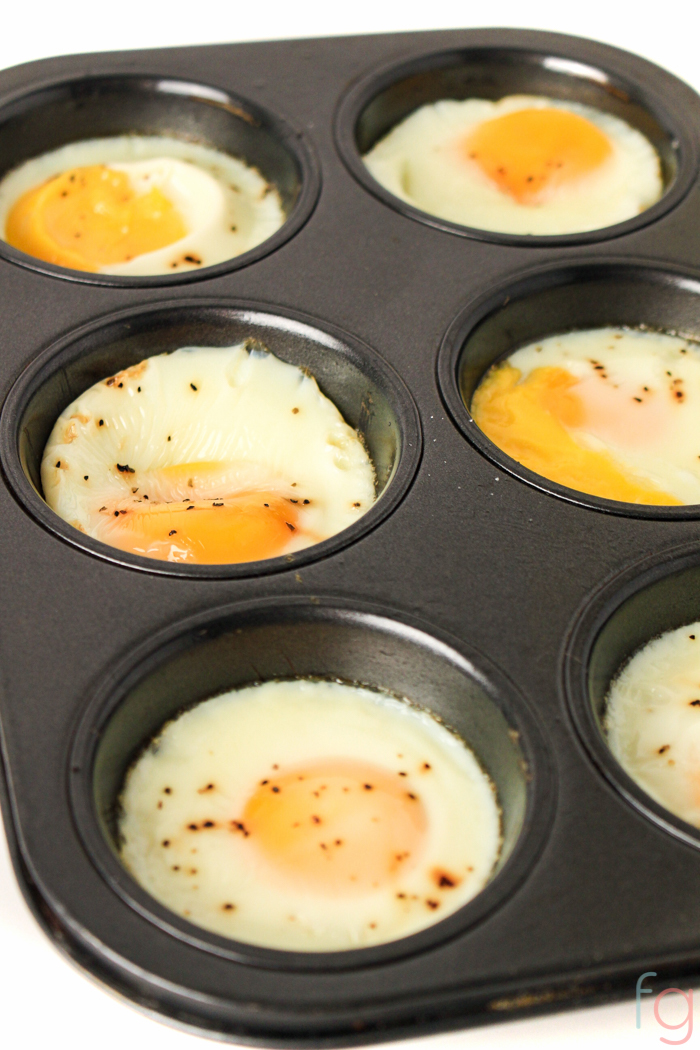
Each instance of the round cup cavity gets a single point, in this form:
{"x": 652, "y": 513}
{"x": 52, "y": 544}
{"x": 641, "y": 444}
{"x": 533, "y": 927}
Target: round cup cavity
{"x": 283, "y": 638}
{"x": 657, "y": 596}
{"x": 369, "y": 394}
{"x": 51, "y": 115}
{"x": 551, "y": 300}
{"x": 511, "y": 62}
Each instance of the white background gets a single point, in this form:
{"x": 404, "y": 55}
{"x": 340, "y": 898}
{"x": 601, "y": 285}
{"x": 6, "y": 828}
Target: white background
{"x": 44, "y": 1002}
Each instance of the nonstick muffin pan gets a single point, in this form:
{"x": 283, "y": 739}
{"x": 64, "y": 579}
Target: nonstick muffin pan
{"x": 502, "y": 601}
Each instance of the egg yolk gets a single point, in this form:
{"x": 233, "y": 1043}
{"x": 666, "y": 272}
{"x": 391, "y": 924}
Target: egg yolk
{"x": 242, "y": 526}
{"x": 91, "y": 217}
{"x": 338, "y": 827}
{"x": 530, "y": 421}
{"x": 532, "y": 151}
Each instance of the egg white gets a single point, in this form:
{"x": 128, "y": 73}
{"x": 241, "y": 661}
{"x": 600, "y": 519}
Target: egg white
{"x": 653, "y": 726}
{"x": 227, "y": 206}
{"x": 213, "y": 757}
{"x": 265, "y": 421}
{"x": 420, "y": 161}
{"x": 632, "y": 360}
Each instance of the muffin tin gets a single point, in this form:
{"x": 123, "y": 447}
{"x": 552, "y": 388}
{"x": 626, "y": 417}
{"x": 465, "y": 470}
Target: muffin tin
{"x": 501, "y": 600}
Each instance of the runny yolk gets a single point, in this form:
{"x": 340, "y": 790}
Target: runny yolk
{"x": 337, "y": 827}
{"x": 530, "y": 421}
{"x": 242, "y": 526}
{"x": 532, "y": 151}
{"x": 91, "y": 217}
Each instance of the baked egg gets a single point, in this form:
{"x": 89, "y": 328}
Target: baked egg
{"x": 210, "y": 455}
{"x": 137, "y": 206}
{"x": 524, "y": 165}
{"x": 309, "y": 816}
{"x": 608, "y": 411}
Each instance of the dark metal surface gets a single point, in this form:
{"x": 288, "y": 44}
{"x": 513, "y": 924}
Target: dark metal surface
{"x": 471, "y": 555}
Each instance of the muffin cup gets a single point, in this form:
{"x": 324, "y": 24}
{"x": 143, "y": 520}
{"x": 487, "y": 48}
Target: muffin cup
{"x": 263, "y": 641}
{"x": 72, "y": 110}
{"x": 609, "y": 80}
{"x": 551, "y": 300}
{"x": 368, "y": 393}
{"x": 649, "y": 599}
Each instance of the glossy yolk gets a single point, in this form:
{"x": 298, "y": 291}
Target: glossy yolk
{"x": 337, "y": 827}
{"x": 530, "y": 421}
{"x": 242, "y": 526}
{"x": 91, "y": 217}
{"x": 532, "y": 151}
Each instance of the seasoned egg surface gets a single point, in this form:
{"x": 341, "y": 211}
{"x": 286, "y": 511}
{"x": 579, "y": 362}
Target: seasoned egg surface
{"x": 523, "y": 165}
{"x": 137, "y": 206}
{"x": 609, "y": 411}
{"x": 653, "y": 720}
{"x": 309, "y": 815}
{"x": 209, "y": 455}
